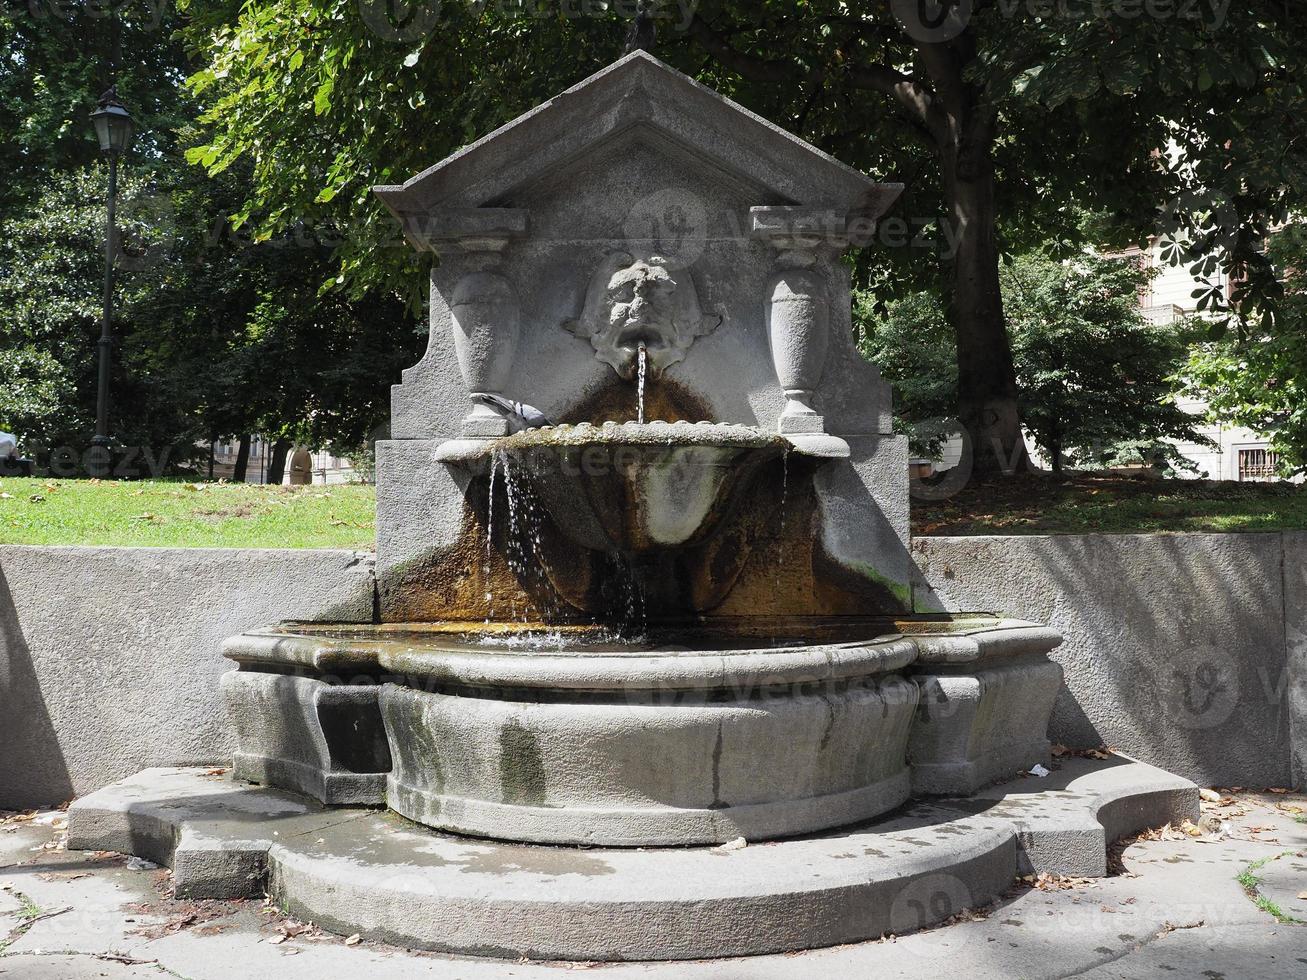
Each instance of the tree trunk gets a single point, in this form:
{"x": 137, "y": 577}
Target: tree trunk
{"x": 242, "y": 461}
{"x": 987, "y": 385}
{"x": 277, "y": 465}
{"x": 987, "y": 389}
{"x": 943, "y": 100}
{"x": 963, "y": 124}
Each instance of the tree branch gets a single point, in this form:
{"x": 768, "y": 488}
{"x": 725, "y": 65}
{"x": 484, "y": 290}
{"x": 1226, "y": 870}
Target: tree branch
{"x": 749, "y": 66}
{"x": 916, "y": 101}
{"x": 911, "y": 95}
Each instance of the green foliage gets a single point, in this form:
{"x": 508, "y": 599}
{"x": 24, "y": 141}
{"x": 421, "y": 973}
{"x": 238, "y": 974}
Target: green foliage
{"x": 1259, "y": 381}
{"x": 35, "y": 388}
{"x": 1003, "y": 131}
{"x": 912, "y": 344}
{"x": 1095, "y": 378}
{"x": 307, "y": 103}
{"x": 56, "y": 58}
{"x": 217, "y": 334}
{"x": 323, "y": 104}
{"x": 51, "y": 270}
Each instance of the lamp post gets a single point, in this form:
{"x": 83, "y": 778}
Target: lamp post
{"x": 113, "y": 127}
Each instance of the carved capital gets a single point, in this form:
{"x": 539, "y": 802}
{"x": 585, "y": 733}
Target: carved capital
{"x": 468, "y": 230}
{"x": 800, "y": 230}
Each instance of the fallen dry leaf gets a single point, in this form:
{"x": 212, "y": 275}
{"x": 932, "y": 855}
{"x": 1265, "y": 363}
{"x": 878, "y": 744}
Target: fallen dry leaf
{"x": 1046, "y": 882}
{"x": 1103, "y": 752}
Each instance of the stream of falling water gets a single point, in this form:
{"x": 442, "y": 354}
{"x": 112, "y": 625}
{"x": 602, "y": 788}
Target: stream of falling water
{"x": 490, "y": 539}
{"x": 514, "y": 555}
{"x": 639, "y": 384}
{"x": 524, "y": 545}
{"x": 785, "y": 493}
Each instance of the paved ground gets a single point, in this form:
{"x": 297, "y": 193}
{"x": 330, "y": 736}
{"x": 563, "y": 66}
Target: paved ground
{"x": 1176, "y": 908}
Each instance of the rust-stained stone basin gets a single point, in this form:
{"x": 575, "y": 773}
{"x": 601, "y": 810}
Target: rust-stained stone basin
{"x": 634, "y": 487}
{"x": 695, "y": 733}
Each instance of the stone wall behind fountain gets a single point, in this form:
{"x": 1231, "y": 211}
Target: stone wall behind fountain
{"x": 639, "y": 180}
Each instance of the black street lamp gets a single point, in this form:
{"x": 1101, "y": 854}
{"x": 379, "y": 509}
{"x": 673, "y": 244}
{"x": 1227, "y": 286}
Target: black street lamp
{"x": 113, "y": 127}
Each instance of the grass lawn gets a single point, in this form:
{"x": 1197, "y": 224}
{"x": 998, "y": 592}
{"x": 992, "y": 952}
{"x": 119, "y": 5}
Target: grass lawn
{"x": 170, "y": 514}
{"x": 173, "y": 514}
{"x": 1081, "y": 503}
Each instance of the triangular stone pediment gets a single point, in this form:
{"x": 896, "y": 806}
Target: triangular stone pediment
{"x": 608, "y": 192}
{"x": 640, "y": 93}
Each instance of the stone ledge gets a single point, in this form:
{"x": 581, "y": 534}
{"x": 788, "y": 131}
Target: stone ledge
{"x": 378, "y": 875}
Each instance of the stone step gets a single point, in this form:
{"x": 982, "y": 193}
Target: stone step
{"x": 372, "y": 872}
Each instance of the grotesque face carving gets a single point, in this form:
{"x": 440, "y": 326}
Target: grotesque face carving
{"x": 633, "y": 302}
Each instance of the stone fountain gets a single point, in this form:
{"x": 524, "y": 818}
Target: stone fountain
{"x": 644, "y": 595}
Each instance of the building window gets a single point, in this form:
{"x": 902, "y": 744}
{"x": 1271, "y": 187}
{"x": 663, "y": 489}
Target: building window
{"x": 1258, "y": 464}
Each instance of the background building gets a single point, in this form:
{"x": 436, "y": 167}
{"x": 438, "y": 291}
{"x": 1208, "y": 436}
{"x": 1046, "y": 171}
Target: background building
{"x": 1235, "y": 453}
{"x": 326, "y": 467}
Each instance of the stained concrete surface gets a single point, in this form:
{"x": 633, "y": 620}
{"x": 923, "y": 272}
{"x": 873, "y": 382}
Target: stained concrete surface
{"x": 1174, "y": 909}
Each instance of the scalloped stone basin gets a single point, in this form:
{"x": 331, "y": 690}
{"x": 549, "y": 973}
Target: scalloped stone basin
{"x": 637, "y": 487}
{"x": 699, "y": 734}
{"x": 571, "y": 737}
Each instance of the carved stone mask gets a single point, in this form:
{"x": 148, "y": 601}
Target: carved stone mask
{"x": 650, "y": 301}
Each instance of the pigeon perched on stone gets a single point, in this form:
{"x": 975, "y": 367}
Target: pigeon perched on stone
{"x": 519, "y": 416}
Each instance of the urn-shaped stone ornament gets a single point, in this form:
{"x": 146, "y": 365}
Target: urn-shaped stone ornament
{"x": 486, "y": 326}
{"x": 798, "y": 329}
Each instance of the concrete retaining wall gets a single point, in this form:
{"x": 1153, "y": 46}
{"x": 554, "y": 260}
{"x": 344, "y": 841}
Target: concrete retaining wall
{"x": 1186, "y": 651}
{"x": 109, "y": 656}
